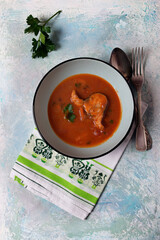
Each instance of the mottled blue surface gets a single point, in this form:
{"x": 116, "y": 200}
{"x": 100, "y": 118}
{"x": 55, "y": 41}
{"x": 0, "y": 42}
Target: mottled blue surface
{"x": 129, "y": 208}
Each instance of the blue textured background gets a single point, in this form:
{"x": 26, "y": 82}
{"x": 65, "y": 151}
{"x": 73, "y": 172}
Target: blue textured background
{"x": 130, "y": 205}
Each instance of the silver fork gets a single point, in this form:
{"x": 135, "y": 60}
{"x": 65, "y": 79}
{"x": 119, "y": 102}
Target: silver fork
{"x": 137, "y": 80}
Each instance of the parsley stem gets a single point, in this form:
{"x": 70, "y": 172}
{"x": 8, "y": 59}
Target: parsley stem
{"x": 52, "y": 17}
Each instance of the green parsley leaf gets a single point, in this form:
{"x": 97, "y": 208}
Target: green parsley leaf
{"x": 38, "y": 49}
{"x": 66, "y": 108}
{"x": 46, "y": 29}
{"x": 32, "y": 21}
{"x": 68, "y": 111}
{"x": 50, "y": 46}
{"x": 33, "y": 25}
{"x": 71, "y": 117}
{"x": 43, "y": 45}
{"x": 70, "y": 108}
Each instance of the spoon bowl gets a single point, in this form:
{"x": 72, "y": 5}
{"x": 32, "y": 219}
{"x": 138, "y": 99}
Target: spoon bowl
{"x": 120, "y": 61}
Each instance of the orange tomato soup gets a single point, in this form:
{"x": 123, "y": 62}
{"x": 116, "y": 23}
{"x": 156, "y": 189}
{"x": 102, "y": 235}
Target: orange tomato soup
{"x": 78, "y": 132}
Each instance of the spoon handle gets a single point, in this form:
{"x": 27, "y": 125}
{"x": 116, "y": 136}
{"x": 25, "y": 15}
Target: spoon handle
{"x": 141, "y": 138}
{"x": 149, "y": 139}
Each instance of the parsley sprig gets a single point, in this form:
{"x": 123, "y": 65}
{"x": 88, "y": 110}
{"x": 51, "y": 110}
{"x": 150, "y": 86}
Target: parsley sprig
{"x": 44, "y": 45}
{"x": 68, "y": 111}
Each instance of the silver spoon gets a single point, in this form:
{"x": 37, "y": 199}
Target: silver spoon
{"x": 120, "y": 61}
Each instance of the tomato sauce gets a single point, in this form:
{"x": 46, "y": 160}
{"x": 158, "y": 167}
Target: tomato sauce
{"x": 83, "y": 133}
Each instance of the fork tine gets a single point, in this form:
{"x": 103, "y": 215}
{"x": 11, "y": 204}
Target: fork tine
{"x": 132, "y": 60}
{"x": 135, "y": 59}
{"x": 142, "y": 61}
{"x": 139, "y": 61}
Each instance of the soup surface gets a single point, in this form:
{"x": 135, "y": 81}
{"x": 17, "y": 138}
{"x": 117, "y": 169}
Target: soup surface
{"x": 71, "y": 121}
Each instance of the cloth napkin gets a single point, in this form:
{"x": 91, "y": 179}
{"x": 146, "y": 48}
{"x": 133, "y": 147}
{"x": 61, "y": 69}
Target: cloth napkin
{"x": 74, "y": 185}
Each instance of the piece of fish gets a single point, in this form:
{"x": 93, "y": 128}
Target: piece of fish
{"x": 76, "y": 100}
{"x": 94, "y": 106}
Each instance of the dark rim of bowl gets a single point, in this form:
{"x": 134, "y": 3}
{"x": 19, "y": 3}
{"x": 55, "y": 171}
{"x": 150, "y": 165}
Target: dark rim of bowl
{"x": 81, "y": 58}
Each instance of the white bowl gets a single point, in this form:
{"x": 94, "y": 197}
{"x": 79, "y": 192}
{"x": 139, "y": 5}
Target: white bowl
{"x": 76, "y": 66}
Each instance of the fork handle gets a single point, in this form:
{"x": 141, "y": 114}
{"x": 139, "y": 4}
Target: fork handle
{"x": 141, "y": 139}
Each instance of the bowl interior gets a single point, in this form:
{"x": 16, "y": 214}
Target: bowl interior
{"x": 58, "y": 74}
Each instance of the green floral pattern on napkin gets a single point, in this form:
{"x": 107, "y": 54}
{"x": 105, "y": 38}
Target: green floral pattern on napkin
{"x": 86, "y": 172}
